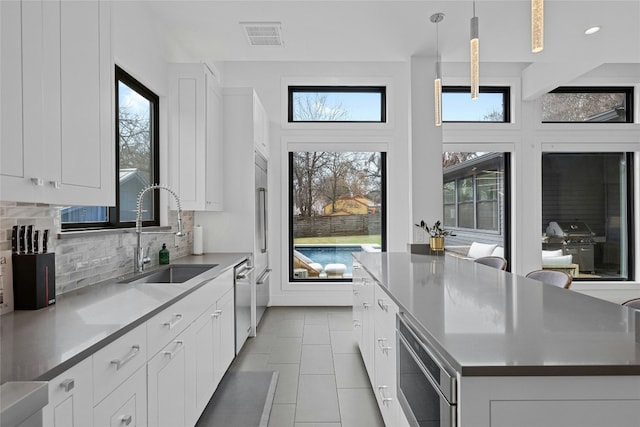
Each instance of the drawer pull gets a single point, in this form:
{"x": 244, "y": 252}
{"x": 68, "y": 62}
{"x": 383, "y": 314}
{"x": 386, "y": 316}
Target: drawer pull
{"x": 356, "y": 324}
{"x": 171, "y": 324}
{"x": 67, "y": 385}
{"x": 382, "y": 305}
{"x": 356, "y": 292}
{"x": 171, "y": 353}
{"x": 385, "y": 400}
{"x": 216, "y": 313}
{"x": 126, "y": 419}
{"x": 135, "y": 349}
{"x": 366, "y": 305}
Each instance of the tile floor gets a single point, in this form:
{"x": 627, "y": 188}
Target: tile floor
{"x": 322, "y": 380}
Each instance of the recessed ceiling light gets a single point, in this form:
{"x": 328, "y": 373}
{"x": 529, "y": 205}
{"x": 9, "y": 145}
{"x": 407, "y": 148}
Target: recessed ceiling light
{"x": 592, "y": 30}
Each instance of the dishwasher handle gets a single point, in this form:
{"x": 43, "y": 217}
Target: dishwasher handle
{"x": 263, "y": 277}
{"x": 243, "y": 274}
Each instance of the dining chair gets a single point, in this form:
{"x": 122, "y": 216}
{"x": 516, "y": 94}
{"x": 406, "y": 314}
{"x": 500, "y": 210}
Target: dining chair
{"x": 493, "y": 261}
{"x": 632, "y": 303}
{"x": 552, "y": 277}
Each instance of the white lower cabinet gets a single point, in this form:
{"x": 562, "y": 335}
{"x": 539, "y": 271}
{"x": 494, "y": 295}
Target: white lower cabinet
{"x": 224, "y": 335}
{"x": 70, "y": 400}
{"x": 126, "y": 405}
{"x": 384, "y": 362}
{"x": 161, "y": 373}
{"x": 167, "y": 384}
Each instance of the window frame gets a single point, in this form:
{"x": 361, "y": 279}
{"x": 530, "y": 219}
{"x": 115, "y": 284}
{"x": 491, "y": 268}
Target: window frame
{"x": 113, "y": 212}
{"x": 290, "y": 245}
{"x": 627, "y": 90}
{"x": 292, "y": 89}
{"x": 506, "y": 101}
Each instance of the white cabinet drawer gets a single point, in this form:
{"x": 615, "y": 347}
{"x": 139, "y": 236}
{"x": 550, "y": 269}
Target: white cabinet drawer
{"x": 385, "y": 308}
{"x": 166, "y": 325}
{"x": 126, "y": 405}
{"x": 117, "y": 361}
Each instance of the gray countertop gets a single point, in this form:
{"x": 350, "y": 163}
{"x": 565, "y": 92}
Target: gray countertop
{"x": 41, "y": 344}
{"x": 490, "y": 322}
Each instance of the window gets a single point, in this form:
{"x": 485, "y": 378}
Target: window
{"x": 337, "y": 104}
{"x": 588, "y": 105}
{"x": 492, "y": 104}
{"x": 474, "y": 185}
{"x": 337, "y": 206}
{"x": 137, "y": 161}
{"x": 587, "y": 212}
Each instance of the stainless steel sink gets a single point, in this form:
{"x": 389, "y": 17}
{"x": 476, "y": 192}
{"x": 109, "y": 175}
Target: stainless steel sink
{"x": 172, "y": 274}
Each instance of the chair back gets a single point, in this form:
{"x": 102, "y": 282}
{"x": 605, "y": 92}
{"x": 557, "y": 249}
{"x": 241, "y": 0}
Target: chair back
{"x": 552, "y": 277}
{"x": 493, "y": 261}
{"x": 633, "y": 303}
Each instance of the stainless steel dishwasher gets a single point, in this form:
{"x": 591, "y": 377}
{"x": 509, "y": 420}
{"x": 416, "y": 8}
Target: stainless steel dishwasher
{"x": 243, "y": 279}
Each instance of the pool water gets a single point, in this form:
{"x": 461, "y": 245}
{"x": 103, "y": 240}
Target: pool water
{"x": 330, "y": 255}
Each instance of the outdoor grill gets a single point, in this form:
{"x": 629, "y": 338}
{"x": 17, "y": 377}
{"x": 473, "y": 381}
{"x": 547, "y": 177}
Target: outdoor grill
{"x": 576, "y": 239}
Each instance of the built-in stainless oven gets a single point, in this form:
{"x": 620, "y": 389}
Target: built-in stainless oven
{"x": 426, "y": 383}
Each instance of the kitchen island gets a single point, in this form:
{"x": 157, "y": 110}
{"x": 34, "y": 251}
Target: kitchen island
{"x": 520, "y": 353}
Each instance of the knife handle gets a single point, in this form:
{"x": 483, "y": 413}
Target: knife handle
{"x": 21, "y": 239}
{"x": 14, "y": 239}
{"x": 36, "y": 235}
{"x": 29, "y": 239}
{"x": 45, "y": 238}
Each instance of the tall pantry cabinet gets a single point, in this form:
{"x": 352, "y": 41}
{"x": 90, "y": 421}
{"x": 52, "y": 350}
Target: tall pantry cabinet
{"x": 56, "y": 110}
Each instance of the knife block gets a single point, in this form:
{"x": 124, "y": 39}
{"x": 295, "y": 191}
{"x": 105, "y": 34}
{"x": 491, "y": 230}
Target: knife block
{"x": 34, "y": 280}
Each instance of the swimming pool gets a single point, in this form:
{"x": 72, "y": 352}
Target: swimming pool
{"x": 331, "y": 254}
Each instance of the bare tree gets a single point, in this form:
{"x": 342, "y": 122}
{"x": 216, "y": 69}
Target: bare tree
{"x": 307, "y": 172}
{"x": 336, "y": 172}
{"x": 135, "y": 136}
{"x": 579, "y": 106}
{"x": 314, "y": 107}
{"x": 451, "y": 158}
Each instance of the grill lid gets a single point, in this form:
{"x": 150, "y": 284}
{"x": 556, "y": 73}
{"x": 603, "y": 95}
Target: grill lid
{"x": 569, "y": 229}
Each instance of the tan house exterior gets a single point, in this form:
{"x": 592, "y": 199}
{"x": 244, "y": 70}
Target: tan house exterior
{"x": 350, "y": 205}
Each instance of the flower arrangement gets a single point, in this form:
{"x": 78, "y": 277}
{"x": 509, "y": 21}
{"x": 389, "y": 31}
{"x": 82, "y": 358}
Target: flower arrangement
{"x": 435, "y": 230}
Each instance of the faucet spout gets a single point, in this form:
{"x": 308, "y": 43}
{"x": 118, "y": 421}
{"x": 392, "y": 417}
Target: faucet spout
{"x": 140, "y": 259}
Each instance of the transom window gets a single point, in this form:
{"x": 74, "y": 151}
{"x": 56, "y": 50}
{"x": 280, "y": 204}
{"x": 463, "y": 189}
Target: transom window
{"x": 588, "y": 105}
{"x": 337, "y": 104}
{"x": 492, "y": 104}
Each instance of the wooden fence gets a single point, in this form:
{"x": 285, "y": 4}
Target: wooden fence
{"x": 344, "y": 225}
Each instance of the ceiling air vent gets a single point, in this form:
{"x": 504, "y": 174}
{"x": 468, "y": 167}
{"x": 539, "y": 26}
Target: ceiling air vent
{"x": 263, "y": 33}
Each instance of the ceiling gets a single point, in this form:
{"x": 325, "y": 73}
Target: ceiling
{"x": 392, "y": 30}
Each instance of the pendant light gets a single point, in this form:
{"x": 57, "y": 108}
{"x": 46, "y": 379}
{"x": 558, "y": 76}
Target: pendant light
{"x": 437, "y": 82}
{"x": 474, "y": 51}
{"x": 537, "y": 25}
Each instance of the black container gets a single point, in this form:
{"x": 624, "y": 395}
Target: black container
{"x": 34, "y": 281}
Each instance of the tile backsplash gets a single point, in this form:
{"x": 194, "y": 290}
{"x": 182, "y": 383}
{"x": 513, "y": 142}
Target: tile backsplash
{"x": 84, "y": 258}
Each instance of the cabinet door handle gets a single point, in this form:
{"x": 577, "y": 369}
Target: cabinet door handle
{"x": 356, "y": 324}
{"x": 179, "y": 344}
{"x": 366, "y": 305}
{"x": 67, "y": 385}
{"x": 126, "y": 419}
{"x": 135, "y": 349}
{"x": 382, "y": 305}
{"x": 356, "y": 292}
{"x": 216, "y": 313}
{"x": 385, "y": 400}
{"x": 171, "y": 324}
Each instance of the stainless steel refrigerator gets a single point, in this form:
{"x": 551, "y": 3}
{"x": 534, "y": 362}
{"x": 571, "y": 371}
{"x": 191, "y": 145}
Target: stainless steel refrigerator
{"x": 260, "y": 294}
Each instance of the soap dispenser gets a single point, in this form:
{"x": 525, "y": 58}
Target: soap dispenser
{"x": 163, "y": 255}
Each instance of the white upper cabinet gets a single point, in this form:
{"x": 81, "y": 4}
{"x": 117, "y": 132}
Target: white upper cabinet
{"x": 196, "y": 145}
{"x": 57, "y": 116}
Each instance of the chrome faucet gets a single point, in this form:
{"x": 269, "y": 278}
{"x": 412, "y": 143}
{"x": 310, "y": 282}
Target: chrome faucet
{"x": 139, "y": 258}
